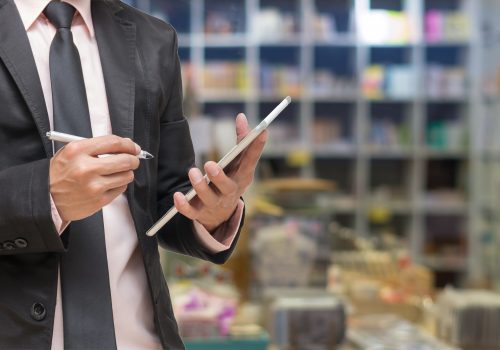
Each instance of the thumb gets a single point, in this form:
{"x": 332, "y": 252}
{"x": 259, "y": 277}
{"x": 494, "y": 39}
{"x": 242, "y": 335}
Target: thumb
{"x": 242, "y": 128}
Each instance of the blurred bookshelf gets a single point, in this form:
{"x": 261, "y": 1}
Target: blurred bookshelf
{"x": 394, "y": 100}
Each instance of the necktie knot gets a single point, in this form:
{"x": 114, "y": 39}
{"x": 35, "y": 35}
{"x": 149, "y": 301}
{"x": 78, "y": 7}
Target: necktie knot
{"x": 60, "y": 14}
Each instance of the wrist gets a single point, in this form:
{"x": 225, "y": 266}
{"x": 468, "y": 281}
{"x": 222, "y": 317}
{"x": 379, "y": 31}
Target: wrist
{"x": 212, "y": 226}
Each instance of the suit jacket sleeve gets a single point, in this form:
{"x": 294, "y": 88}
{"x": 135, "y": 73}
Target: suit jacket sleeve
{"x": 176, "y": 157}
{"x": 26, "y": 224}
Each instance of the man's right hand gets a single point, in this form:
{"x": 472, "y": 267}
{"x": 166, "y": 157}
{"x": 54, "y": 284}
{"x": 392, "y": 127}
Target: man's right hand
{"x": 81, "y": 183}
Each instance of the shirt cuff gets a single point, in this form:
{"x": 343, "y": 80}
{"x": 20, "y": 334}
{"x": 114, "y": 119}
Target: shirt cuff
{"x": 224, "y": 235}
{"x": 56, "y": 218}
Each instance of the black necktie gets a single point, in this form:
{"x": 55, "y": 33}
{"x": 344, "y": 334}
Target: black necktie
{"x": 86, "y": 295}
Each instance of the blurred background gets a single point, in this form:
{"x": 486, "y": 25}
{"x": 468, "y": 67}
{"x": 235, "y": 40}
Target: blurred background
{"x": 373, "y": 221}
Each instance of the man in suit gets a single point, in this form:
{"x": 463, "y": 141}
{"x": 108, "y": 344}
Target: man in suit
{"x": 55, "y": 200}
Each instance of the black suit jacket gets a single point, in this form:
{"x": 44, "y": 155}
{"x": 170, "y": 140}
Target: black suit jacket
{"x": 143, "y": 83}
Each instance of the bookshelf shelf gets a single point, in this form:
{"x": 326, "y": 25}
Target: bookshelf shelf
{"x": 379, "y": 94}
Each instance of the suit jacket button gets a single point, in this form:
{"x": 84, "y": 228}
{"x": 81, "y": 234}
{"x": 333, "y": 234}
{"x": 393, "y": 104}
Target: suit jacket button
{"x": 21, "y": 243}
{"x": 8, "y": 245}
{"x": 38, "y": 312}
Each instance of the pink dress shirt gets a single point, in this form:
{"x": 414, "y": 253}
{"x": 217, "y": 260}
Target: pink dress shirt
{"x": 132, "y": 308}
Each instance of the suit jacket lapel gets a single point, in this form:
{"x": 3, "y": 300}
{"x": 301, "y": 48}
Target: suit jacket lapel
{"x": 116, "y": 39}
{"x": 15, "y": 52}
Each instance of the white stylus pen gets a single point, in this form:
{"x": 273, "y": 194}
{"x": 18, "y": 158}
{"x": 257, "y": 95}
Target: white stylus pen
{"x": 228, "y": 158}
{"x": 62, "y": 137}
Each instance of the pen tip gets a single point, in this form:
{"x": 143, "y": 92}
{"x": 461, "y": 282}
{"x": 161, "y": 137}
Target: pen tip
{"x": 288, "y": 99}
{"x": 147, "y": 155}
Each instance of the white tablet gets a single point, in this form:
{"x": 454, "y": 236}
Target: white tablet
{"x": 228, "y": 158}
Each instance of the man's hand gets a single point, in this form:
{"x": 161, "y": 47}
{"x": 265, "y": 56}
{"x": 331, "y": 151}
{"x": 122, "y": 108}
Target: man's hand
{"x": 81, "y": 183}
{"x": 217, "y": 201}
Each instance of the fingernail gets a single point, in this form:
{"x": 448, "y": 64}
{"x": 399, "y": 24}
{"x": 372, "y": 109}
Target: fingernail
{"x": 196, "y": 175}
{"x": 213, "y": 169}
{"x": 179, "y": 197}
{"x": 137, "y": 149}
{"x": 241, "y": 116}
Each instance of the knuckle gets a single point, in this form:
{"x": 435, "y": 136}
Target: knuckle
{"x": 134, "y": 162}
{"x": 130, "y": 176}
{"x": 129, "y": 145}
{"x": 95, "y": 188}
{"x": 115, "y": 141}
{"x": 232, "y": 188}
{"x": 184, "y": 205}
{"x": 71, "y": 149}
{"x": 199, "y": 186}
{"x": 81, "y": 170}
{"x": 115, "y": 138}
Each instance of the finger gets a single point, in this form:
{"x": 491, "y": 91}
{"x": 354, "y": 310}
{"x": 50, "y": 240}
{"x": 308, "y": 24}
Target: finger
{"x": 117, "y": 180}
{"x": 224, "y": 184}
{"x": 103, "y": 145}
{"x": 184, "y": 207}
{"x": 205, "y": 193}
{"x": 116, "y": 164}
{"x": 242, "y": 128}
{"x": 252, "y": 154}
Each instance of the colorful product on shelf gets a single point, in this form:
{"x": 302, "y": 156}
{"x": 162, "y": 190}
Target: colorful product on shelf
{"x": 445, "y": 82}
{"x": 445, "y": 135}
{"x": 225, "y": 76}
{"x": 327, "y": 84}
{"x": 446, "y": 26}
{"x": 280, "y": 80}
{"x": 327, "y": 131}
{"x": 324, "y": 27}
{"x": 272, "y": 25}
{"x": 219, "y": 22}
{"x": 389, "y": 134}
{"x": 385, "y": 27}
{"x": 393, "y": 81}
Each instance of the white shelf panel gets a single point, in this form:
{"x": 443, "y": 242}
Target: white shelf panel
{"x": 446, "y": 99}
{"x": 281, "y": 151}
{"x": 278, "y": 97}
{"x": 403, "y": 207}
{"x": 223, "y": 96}
{"x": 445, "y": 263}
{"x": 389, "y": 45}
{"x": 335, "y": 151}
{"x": 389, "y": 153}
{"x": 444, "y": 209}
{"x": 434, "y": 154}
{"x": 341, "y": 40}
{"x": 389, "y": 99}
{"x": 224, "y": 40}
{"x": 294, "y": 41}
{"x": 447, "y": 43}
{"x": 184, "y": 40}
{"x": 350, "y": 98}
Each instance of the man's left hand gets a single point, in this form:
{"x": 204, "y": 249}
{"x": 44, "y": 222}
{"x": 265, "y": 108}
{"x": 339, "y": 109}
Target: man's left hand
{"x": 216, "y": 202}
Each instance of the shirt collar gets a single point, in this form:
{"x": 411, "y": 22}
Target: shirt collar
{"x": 30, "y": 10}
